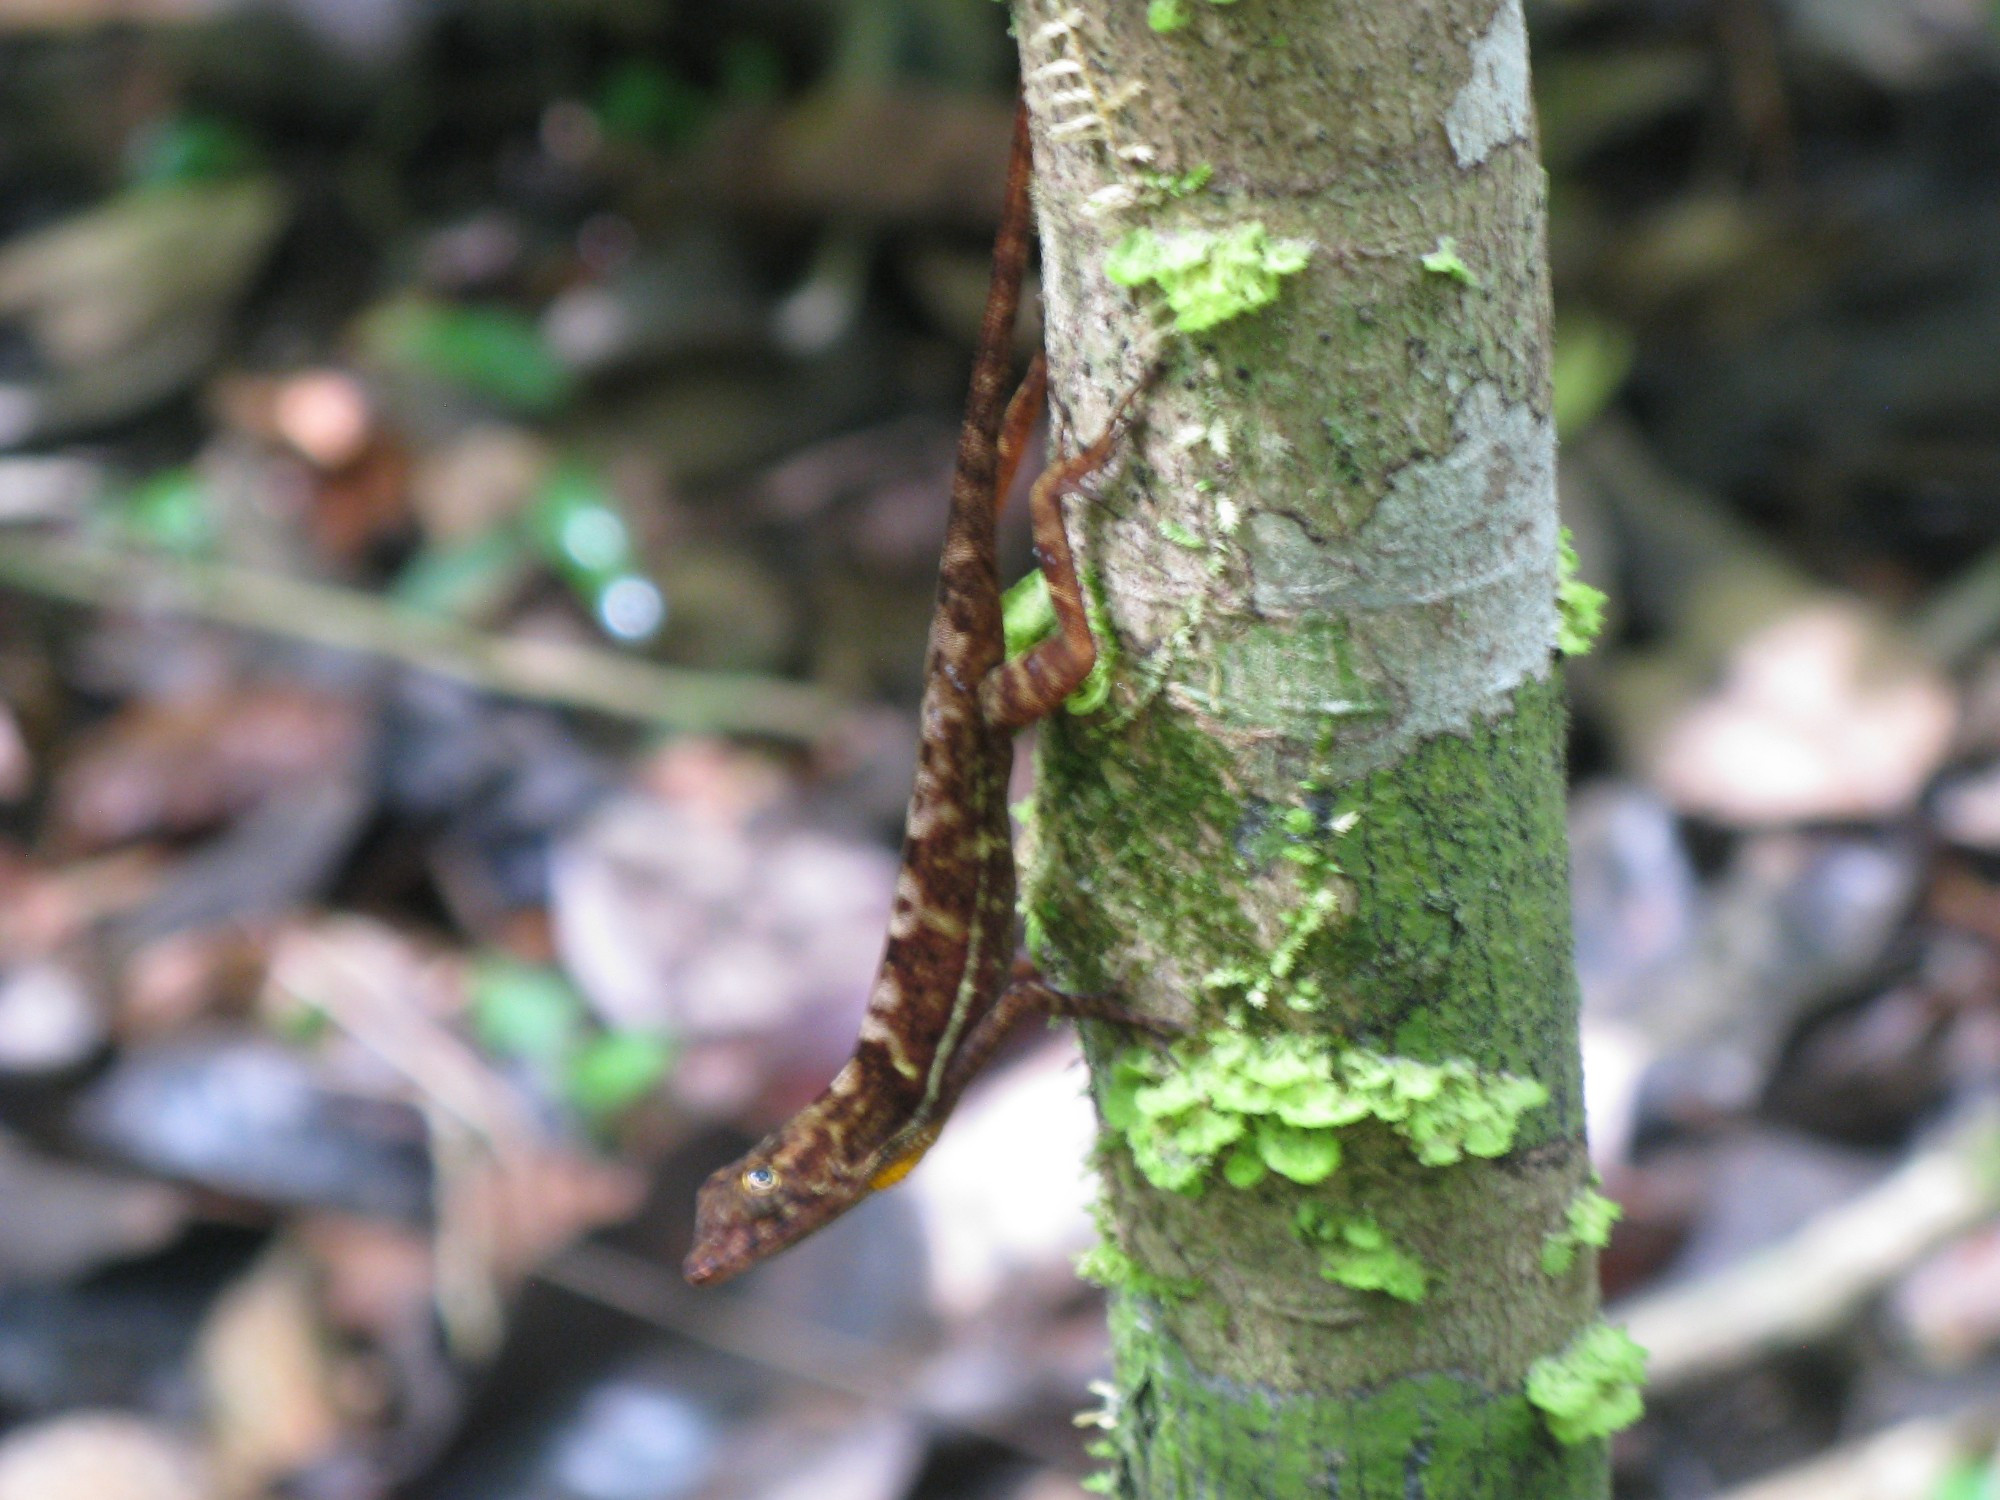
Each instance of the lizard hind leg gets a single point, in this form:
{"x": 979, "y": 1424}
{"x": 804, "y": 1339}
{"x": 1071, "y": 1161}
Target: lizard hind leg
{"x": 1033, "y": 685}
{"x": 1028, "y": 994}
{"x": 1018, "y": 426}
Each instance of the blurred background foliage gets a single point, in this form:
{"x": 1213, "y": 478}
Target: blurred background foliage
{"x": 470, "y": 480}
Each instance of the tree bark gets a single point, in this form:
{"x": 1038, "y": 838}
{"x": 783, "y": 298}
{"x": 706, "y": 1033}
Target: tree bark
{"x": 1324, "y": 802}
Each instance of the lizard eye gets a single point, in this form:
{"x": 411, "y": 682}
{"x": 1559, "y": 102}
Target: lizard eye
{"x": 760, "y": 1182}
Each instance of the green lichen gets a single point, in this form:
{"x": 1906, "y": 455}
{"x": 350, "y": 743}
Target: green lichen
{"x": 1208, "y": 276}
{"x": 1169, "y": 185}
{"x": 1173, "y": 15}
{"x": 1580, "y": 608}
{"x": 1591, "y": 1389}
{"x": 1277, "y": 1103}
{"x": 1587, "y": 1221}
{"x": 1356, "y": 1252}
{"x": 1445, "y": 261}
{"x": 1277, "y": 976}
{"x": 1300, "y": 836}
{"x": 1028, "y": 615}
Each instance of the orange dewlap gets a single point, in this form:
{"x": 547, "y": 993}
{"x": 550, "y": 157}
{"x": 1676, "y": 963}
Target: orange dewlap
{"x": 905, "y": 1164}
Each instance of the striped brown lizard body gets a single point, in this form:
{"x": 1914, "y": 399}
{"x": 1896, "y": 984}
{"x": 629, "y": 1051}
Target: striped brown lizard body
{"x": 948, "y": 989}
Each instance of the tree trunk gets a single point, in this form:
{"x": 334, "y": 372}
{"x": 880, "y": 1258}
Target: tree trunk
{"x": 1320, "y": 818}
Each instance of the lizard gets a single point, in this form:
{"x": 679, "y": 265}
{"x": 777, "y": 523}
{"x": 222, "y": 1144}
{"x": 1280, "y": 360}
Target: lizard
{"x": 948, "y": 989}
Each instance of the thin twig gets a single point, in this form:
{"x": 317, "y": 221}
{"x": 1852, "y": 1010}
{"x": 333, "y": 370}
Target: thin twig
{"x": 1809, "y": 1284}
{"x": 1910, "y": 1461}
{"x": 556, "y": 672}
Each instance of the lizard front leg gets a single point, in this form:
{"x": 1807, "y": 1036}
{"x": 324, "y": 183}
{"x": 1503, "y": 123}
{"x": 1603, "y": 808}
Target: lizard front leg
{"x": 1027, "y": 994}
{"x": 1031, "y": 686}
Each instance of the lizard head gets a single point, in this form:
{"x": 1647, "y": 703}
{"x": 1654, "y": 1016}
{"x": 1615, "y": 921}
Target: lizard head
{"x": 756, "y": 1206}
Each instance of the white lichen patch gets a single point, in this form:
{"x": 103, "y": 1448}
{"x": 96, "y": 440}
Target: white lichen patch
{"x": 1493, "y": 108}
{"x": 1444, "y": 597}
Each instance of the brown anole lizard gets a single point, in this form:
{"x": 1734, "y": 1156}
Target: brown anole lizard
{"x": 948, "y": 988}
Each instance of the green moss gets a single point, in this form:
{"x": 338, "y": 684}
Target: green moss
{"x": 1587, "y": 1221}
{"x": 1356, "y": 1252}
{"x": 1445, "y": 261}
{"x": 1208, "y": 276}
{"x": 1580, "y": 607}
{"x": 1591, "y": 1389}
{"x": 1300, "y": 836}
{"x": 1110, "y": 1266}
{"x": 1278, "y": 1102}
{"x": 1151, "y": 843}
{"x": 1180, "y": 1433}
{"x": 1458, "y": 941}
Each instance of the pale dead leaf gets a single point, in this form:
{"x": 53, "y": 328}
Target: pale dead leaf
{"x": 266, "y": 1377}
{"x": 101, "y": 1456}
{"x": 1818, "y": 718}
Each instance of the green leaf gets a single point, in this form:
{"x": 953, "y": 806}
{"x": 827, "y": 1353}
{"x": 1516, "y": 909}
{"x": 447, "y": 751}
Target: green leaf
{"x": 1579, "y": 607}
{"x": 173, "y": 511}
{"x": 1592, "y": 359}
{"x": 1287, "y": 1062}
{"x": 1170, "y": 1096}
{"x": 1165, "y": 1166}
{"x": 1305, "y": 1156}
{"x": 1586, "y": 1221}
{"x": 1970, "y": 1479}
{"x": 615, "y": 1070}
{"x": 490, "y": 351}
{"x": 1203, "y": 1131}
{"x": 1243, "y": 1168}
{"x": 1208, "y": 276}
{"x": 463, "y": 579}
{"x": 523, "y": 1010}
{"x": 1592, "y": 1388}
{"x": 190, "y": 148}
{"x": 1027, "y": 614}
{"x": 1444, "y": 261}
{"x": 1363, "y": 1258}
{"x": 1319, "y": 1105}
{"x": 1168, "y": 15}
{"x": 642, "y": 101}
{"x": 1131, "y": 1071}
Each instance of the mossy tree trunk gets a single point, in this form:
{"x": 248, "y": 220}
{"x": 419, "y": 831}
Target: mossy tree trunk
{"x": 1320, "y": 819}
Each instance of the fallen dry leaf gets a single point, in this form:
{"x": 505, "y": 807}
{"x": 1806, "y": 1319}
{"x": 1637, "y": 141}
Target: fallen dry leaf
{"x": 101, "y": 1456}
{"x": 266, "y": 1377}
{"x": 181, "y": 766}
{"x": 1817, "y": 718}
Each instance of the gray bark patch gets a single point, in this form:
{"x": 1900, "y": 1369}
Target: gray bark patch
{"x": 1493, "y": 108}
{"x": 1445, "y": 595}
